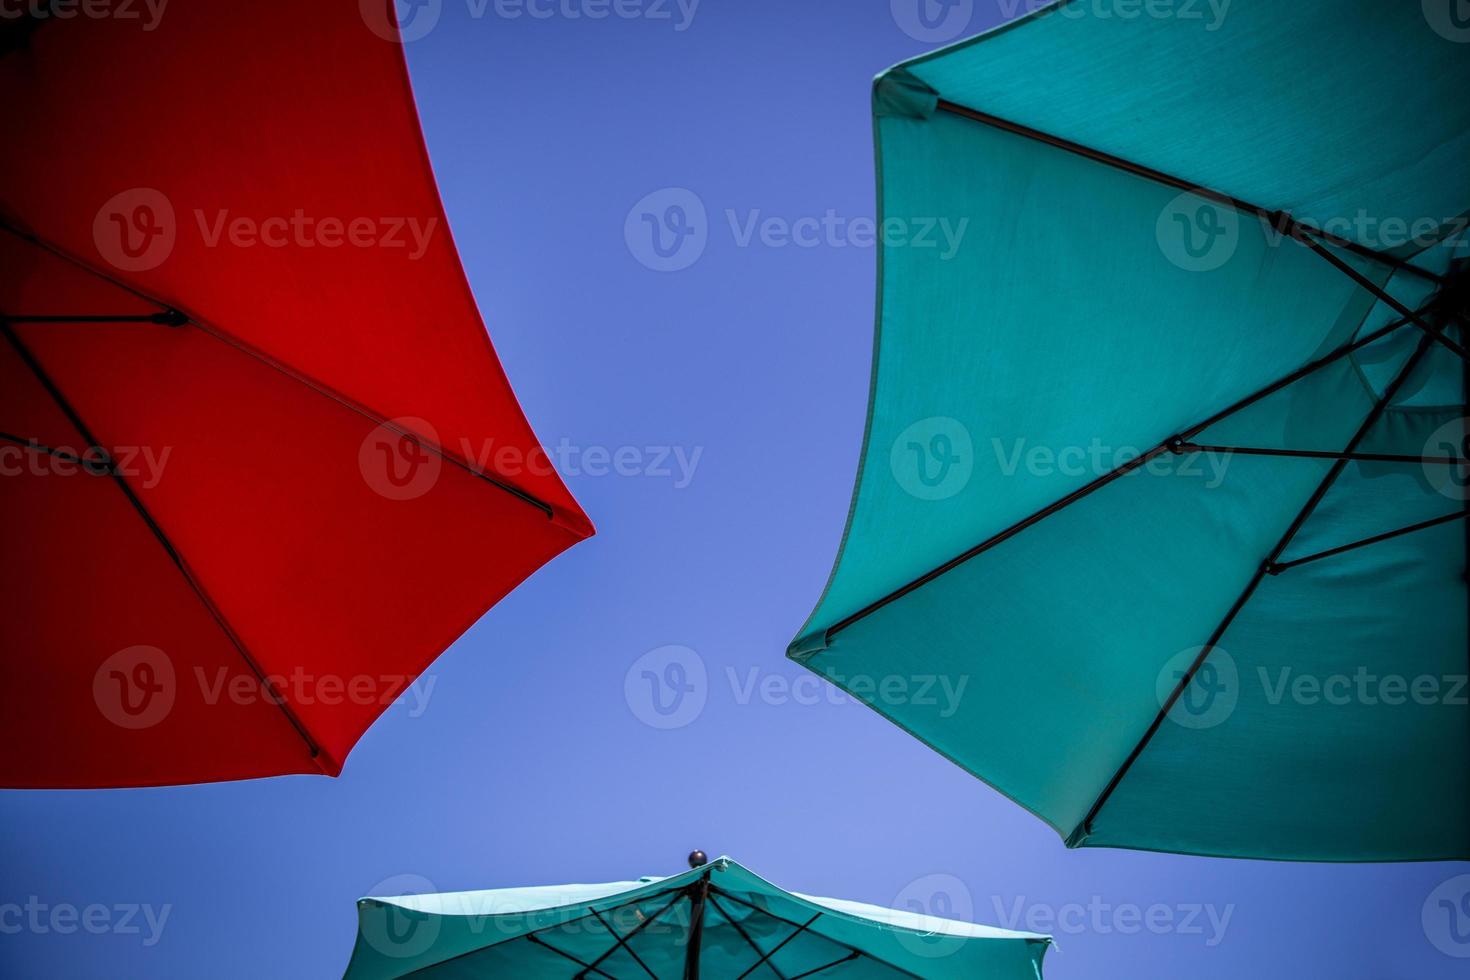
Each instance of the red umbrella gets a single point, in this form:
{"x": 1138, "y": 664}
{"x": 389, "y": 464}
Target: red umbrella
{"x": 259, "y": 464}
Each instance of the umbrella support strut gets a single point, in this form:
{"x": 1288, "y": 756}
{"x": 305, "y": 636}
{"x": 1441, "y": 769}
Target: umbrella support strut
{"x": 102, "y": 463}
{"x": 168, "y": 318}
{"x": 1085, "y": 828}
{"x": 1109, "y": 477}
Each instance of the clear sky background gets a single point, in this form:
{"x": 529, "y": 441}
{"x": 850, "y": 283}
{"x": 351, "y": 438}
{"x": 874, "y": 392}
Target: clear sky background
{"x": 532, "y": 762}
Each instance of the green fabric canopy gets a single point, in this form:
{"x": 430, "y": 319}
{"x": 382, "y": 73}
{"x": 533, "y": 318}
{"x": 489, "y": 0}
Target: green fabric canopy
{"x": 1180, "y": 237}
{"x": 716, "y": 922}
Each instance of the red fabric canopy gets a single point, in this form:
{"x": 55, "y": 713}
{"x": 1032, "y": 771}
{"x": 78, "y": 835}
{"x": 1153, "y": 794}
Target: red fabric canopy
{"x": 289, "y": 505}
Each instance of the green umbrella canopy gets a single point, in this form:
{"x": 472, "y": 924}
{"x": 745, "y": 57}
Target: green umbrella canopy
{"x": 717, "y": 922}
{"x": 1175, "y": 237}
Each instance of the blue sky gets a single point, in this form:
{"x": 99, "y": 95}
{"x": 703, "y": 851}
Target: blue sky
{"x": 736, "y": 389}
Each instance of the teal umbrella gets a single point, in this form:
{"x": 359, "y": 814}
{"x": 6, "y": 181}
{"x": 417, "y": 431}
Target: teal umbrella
{"x": 716, "y": 921}
{"x": 1158, "y": 522}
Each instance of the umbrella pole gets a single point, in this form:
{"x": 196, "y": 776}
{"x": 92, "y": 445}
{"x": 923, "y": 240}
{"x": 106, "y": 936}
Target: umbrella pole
{"x": 698, "y": 894}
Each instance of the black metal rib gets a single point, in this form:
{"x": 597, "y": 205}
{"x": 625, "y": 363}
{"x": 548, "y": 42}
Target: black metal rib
{"x": 779, "y": 946}
{"x": 1382, "y": 294}
{"x": 769, "y": 914}
{"x": 1191, "y": 447}
{"x": 678, "y": 895}
{"x": 1084, "y": 829}
{"x": 1280, "y": 567}
{"x": 168, "y": 318}
{"x": 823, "y": 969}
{"x": 1123, "y": 470}
{"x": 629, "y": 949}
{"x": 231, "y": 340}
{"x": 1178, "y": 183}
{"x": 676, "y": 892}
{"x": 148, "y": 519}
{"x": 725, "y": 914}
{"x": 586, "y": 967}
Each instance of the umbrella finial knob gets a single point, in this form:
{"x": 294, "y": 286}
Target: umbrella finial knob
{"x": 698, "y": 859}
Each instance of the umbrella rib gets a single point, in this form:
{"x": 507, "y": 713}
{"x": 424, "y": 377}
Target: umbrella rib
{"x": 1084, "y": 829}
{"x": 1417, "y": 318}
{"x": 556, "y": 925}
{"x": 586, "y": 967}
{"x": 1458, "y": 515}
{"x": 743, "y": 934}
{"x": 822, "y": 969}
{"x": 1120, "y": 471}
{"x": 608, "y": 926}
{"x": 172, "y": 312}
{"x": 779, "y": 946}
{"x": 801, "y": 928}
{"x": 1290, "y": 225}
{"x": 678, "y": 894}
{"x": 1192, "y": 447}
{"x": 105, "y": 464}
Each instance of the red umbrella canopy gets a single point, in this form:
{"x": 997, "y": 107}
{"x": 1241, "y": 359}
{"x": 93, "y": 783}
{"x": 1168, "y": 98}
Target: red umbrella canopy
{"x": 259, "y": 464}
